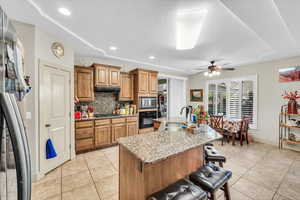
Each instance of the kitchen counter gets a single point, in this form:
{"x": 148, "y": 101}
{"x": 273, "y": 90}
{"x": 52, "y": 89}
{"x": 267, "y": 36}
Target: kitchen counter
{"x": 153, "y": 147}
{"x": 149, "y": 162}
{"x": 106, "y": 117}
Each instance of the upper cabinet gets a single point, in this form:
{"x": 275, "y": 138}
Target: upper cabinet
{"x": 126, "y": 93}
{"x": 84, "y": 83}
{"x": 107, "y": 76}
{"x": 153, "y": 82}
{"x": 145, "y": 82}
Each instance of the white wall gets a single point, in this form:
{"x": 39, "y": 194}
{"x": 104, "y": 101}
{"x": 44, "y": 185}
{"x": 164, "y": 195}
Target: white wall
{"x": 177, "y": 97}
{"x": 269, "y": 93}
{"x": 37, "y": 45}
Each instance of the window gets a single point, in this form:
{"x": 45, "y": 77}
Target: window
{"x": 234, "y": 98}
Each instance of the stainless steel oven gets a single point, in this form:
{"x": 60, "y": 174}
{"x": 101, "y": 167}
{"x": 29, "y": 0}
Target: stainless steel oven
{"x": 146, "y": 119}
{"x": 148, "y": 102}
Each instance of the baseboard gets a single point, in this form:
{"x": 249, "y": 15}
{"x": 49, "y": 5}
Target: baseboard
{"x": 261, "y": 140}
{"x": 37, "y": 176}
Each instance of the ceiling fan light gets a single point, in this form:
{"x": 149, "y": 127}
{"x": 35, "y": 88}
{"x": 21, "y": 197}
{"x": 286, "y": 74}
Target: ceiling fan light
{"x": 210, "y": 75}
{"x": 218, "y": 73}
{"x": 214, "y": 72}
{"x": 205, "y": 73}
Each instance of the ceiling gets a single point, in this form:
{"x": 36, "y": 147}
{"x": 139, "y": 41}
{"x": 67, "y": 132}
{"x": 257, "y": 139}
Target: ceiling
{"x": 236, "y": 31}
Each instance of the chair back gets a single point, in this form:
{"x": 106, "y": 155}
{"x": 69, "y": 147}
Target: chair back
{"x": 245, "y": 125}
{"x": 216, "y": 121}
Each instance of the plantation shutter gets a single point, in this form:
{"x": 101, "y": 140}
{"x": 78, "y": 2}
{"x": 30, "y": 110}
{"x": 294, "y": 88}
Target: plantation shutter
{"x": 235, "y": 99}
{"x": 211, "y": 99}
{"x": 221, "y": 98}
{"x": 248, "y": 100}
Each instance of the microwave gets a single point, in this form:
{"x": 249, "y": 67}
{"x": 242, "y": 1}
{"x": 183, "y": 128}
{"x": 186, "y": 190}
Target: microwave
{"x": 148, "y": 102}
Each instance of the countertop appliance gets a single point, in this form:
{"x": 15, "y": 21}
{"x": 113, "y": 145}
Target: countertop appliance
{"x": 148, "y": 102}
{"x": 146, "y": 119}
{"x": 15, "y": 168}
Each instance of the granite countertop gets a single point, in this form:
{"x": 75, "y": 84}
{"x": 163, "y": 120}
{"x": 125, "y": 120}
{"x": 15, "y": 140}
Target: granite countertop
{"x": 153, "y": 147}
{"x": 106, "y": 117}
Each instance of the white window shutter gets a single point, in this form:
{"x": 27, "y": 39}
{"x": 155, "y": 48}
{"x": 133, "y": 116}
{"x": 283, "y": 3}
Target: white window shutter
{"x": 235, "y": 99}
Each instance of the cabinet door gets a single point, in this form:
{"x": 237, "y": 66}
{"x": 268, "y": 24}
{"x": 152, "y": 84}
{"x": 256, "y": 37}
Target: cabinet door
{"x": 132, "y": 129}
{"x": 126, "y": 92}
{"x": 101, "y": 75}
{"x": 153, "y": 82}
{"x": 84, "y": 86}
{"x": 102, "y": 135}
{"x": 114, "y": 77}
{"x": 118, "y": 130}
{"x": 143, "y": 82}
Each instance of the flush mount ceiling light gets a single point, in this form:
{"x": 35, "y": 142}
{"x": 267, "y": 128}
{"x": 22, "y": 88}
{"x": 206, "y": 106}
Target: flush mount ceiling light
{"x": 113, "y": 48}
{"x": 188, "y": 27}
{"x": 64, "y": 11}
{"x": 151, "y": 57}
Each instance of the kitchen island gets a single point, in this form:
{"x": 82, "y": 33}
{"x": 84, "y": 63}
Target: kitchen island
{"x": 151, "y": 162}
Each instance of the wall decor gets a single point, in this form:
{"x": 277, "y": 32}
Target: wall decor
{"x": 289, "y": 74}
{"x": 58, "y": 49}
{"x": 196, "y": 95}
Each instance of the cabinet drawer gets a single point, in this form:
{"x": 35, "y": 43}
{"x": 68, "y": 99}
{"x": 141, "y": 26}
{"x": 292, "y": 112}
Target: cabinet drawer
{"x": 84, "y": 124}
{"x": 100, "y": 122}
{"x": 84, "y": 144}
{"x": 84, "y": 133}
{"x": 118, "y": 120}
{"x": 131, "y": 119}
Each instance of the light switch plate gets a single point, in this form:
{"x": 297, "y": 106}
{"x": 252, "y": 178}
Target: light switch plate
{"x": 28, "y": 115}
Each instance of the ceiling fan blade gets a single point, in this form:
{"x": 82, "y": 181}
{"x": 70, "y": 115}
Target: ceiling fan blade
{"x": 228, "y": 68}
{"x": 200, "y": 70}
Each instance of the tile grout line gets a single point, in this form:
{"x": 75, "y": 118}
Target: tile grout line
{"x": 98, "y": 192}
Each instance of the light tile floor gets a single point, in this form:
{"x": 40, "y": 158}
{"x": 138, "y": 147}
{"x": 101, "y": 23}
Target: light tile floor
{"x": 260, "y": 172}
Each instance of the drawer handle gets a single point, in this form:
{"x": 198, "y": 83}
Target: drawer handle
{"x": 48, "y": 125}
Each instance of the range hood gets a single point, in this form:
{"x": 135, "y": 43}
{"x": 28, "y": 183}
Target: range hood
{"x": 107, "y": 89}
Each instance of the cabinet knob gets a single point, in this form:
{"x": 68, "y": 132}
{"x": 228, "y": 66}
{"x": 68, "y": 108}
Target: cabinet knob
{"x": 47, "y": 125}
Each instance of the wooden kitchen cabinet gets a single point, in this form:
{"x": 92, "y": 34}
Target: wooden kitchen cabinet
{"x": 118, "y": 130}
{"x": 101, "y": 75}
{"x": 132, "y": 129}
{"x": 84, "y": 83}
{"x": 126, "y": 93}
{"x": 145, "y": 82}
{"x": 102, "y": 135}
{"x": 107, "y": 76}
{"x": 84, "y": 135}
{"x": 153, "y": 82}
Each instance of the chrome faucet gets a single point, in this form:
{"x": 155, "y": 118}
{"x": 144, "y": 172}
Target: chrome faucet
{"x": 188, "y": 112}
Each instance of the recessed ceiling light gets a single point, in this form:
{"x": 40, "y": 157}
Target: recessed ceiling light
{"x": 151, "y": 57}
{"x": 64, "y": 11}
{"x": 113, "y": 48}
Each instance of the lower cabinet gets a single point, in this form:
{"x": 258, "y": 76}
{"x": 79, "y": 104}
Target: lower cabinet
{"x": 102, "y": 135}
{"x": 132, "y": 128}
{"x": 118, "y": 130}
{"x": 98, "y": 133}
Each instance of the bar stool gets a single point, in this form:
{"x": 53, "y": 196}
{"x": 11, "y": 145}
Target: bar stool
{"x": 211, "y": 154}
{"x": 181, "y": 190}
{"x": 211, "y": 178}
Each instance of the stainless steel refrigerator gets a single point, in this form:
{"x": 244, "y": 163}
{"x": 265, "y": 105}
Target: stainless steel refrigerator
{"x": 15, "y": 169}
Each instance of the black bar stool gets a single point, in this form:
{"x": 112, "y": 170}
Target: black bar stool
{"x": 211, "y": 178}
{"x": 211, "y": 154}
{"x": 181, "y": 190}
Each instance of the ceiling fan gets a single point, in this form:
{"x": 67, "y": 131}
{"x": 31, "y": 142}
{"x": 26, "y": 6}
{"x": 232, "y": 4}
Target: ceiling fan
{"x": 214, "y": 70}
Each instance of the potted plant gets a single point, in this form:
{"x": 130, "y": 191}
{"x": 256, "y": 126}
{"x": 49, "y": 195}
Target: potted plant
{"x": 202, "y": 116}
{"x": 292, "y": 103}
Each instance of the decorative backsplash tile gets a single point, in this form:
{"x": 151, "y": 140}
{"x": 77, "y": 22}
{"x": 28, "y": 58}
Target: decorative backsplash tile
{"x": 105, "y": 102}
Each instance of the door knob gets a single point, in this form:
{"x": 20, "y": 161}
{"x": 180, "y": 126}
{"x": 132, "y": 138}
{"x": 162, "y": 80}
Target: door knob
{"x": 47, "y": 125}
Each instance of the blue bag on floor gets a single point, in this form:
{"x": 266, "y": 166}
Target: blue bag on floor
{"x": 50, "y": 151}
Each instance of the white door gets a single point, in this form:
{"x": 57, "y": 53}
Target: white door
{"x": 54, "y": 115}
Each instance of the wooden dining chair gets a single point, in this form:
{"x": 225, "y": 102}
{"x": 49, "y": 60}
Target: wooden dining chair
{"x": 244, "y": 130}
{"x": 217, "y": 122}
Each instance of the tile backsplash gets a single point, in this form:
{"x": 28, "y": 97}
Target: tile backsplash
{"x": 105, "y": 102}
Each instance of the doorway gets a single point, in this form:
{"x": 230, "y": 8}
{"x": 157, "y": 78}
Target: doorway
{"x": 55, "y": 114}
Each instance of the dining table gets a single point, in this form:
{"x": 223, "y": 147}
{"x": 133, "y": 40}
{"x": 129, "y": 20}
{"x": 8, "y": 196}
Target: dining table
{"x": 232, "y": 125}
